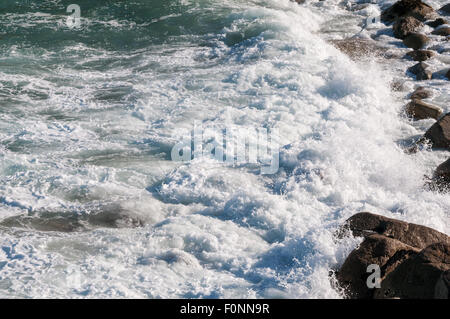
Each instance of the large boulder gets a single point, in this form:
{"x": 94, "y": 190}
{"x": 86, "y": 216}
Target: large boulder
{"x": 413, "y": 260}
{"x": 374, "y": 250}
{"x": 439, "y": 133}
{"x": 420, "y": 55}
{"x": 403, "y": 8}
{"x": 416, "y": 41}
{"x": 420, "y": 71}
{"x": 410, "y": 234}
{"x": 419, "y": 110}
{"x": 418, "y": 277}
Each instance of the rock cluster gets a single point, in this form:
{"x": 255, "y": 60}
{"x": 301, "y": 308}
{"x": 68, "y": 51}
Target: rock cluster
{"x": 414, "y": 260}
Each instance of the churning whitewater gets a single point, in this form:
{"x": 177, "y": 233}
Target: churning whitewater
{"x": 91, "y": 202}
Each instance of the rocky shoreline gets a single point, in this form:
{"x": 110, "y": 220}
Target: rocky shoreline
{"x": 414, "y": 260}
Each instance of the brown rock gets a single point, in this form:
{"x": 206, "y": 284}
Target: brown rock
{"x": 413, "y": 8}
{"x": 375, "y": 249}
{"x": 410, "y": 234}
{"x": 439, "y": 133}
{"x": 420, "y": 55}
{"x": 437, "y": 22}
{"x": 420, "y": 70}
{"x": 417, "y": 277}
{"x": 421, "y": 93}
{"x": 406, "y": 25}
{"x": 416, "y": 41}
{"x": 445, "y": 31}
{"x": 419, "y": 110}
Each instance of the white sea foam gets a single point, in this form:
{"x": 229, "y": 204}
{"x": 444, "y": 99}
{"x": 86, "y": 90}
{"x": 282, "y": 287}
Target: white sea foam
{"x": 100, "y": 138}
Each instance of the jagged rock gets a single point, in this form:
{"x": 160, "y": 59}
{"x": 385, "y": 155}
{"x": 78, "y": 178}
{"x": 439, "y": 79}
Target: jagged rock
{"x": 420, "y": 70}
{"x": 437, "y": 22}
{"x": 439, "y": 133}
{"x": 445, "y": 9}
{"x": 403, "y": 8}
{"x": 417, "y": 277}
{"x": 420, "y": 55}
{"x": 445, "y": 31}
{"x": 416, "y": 41}
{"x": 374, "y": 250}
{"x": 421, "y": 93}
{"x": 411, "y": 234}
{"x": 419, "y": 110}
{"x": 406, "y": 25}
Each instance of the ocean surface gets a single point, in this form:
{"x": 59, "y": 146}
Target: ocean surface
{"x": 91, "y": 204}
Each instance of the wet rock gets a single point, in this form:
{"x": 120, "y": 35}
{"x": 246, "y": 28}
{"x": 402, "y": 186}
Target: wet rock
{"x": 420, "y": 70}
{"x": 437, "y": 22}
{"x": 406, "y": 25}
{"x": 418, "y": 276}
{"x": 445, "y": 31}
{"x": 447, "y": 75}
{"x": 403, "y": 8}
{"x": 416, "y": 41}
{"x": 421, "y": 93}
{"x": 414, "y": 235}
{"x": 441, "y": 177}
{"x": 439, "y": 133}
{"x": 420, "y": 55}
{"x": 299, "y": 1}
{"x": 419, "y": 110}
{"x": 445, "y": 9}
{"x": 357, "y": 47}
{"x": 374, "y": 250}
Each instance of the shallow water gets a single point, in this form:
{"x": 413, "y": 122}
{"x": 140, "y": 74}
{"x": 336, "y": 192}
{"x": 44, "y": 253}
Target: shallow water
{"x": 91, "y": 204}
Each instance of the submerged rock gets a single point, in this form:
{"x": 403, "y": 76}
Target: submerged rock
{"x": 420, "y": 110}
{"x": 406, "y": 25}
{"x": 421, "y": 72}
{"x": 437, "y": 22}
{"x": 357, "y": 47}
{"x": 420, "y": 55}
{"x": 416, "y": 41}
{"x": 421, "y": 93}
{"x": 441, "y": 177}
{"x": 445, "y": 31}
{"x": 403, "y": 8}
{"x": 439, "y": 133}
